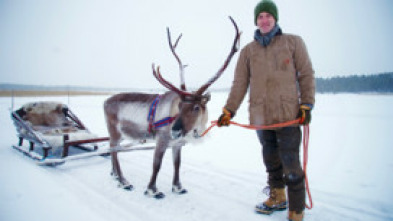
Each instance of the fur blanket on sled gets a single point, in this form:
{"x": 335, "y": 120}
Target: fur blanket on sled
{"x": 49, "y": 119}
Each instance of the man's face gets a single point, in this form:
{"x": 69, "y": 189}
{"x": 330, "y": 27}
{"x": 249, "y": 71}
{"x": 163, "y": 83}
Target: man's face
{"x": 265, "y": 22}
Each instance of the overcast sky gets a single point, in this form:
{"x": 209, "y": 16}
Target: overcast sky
{"x": 113, "y": 43}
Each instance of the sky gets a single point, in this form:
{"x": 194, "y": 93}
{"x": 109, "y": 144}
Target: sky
{"x": 104, "y": 43}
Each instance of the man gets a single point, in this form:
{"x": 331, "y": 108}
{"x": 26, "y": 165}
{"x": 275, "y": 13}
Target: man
{"x": 277, "y": 70}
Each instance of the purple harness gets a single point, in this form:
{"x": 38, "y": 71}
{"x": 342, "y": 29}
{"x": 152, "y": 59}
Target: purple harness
{"x": 152, "y": 114}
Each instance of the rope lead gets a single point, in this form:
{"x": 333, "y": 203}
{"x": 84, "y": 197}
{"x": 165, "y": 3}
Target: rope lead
{"x": 306, "y": 135}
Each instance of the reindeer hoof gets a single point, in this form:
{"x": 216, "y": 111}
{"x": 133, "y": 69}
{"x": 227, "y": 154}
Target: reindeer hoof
{"x": 179, "y": 190}
{"x": 122, "y": 183}
{"x": 154, "y": 194}
{"x": 126, "y": 186}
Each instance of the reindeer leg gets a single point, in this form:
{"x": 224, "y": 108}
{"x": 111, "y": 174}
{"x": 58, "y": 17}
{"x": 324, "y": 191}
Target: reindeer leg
{"x": 176, "y": 185}
{"x": 116, "y": 170}
{"x": 159, "y": 152}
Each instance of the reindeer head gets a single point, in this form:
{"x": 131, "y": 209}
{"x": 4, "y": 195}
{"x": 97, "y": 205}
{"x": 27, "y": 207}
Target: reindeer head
{"x": 192, "y": 107}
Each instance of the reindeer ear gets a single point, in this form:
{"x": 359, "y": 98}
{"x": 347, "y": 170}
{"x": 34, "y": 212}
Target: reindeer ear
{"x": 205, "y": 98}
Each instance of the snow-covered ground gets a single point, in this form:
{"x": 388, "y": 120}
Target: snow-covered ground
{"x": 350, "y": 164}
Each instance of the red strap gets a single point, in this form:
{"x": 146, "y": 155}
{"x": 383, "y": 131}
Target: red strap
{"x": 152, "y": 112}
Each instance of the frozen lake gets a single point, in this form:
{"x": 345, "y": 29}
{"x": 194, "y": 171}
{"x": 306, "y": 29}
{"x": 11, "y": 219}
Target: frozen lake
{"x": 349, "y": 169}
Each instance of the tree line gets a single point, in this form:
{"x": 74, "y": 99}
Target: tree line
{"x": 376, "y": 83}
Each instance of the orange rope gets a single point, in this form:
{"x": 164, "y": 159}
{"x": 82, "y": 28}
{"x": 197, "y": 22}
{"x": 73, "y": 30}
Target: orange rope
{"x": 254, "y": 127}
{"x": 306, "y": 135}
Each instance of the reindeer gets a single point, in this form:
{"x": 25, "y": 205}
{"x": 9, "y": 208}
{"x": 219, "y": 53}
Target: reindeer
{"x": 182, "y": 117}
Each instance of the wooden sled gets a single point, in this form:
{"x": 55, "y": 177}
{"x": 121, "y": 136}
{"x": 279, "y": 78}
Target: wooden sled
{"x": 53, "y": 132}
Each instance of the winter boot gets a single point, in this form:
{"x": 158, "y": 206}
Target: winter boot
{"x": 294, "y": 216}
{"x": 277, "y": 201}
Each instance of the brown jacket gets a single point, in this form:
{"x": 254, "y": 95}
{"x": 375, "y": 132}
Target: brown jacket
{"x": 280, "y": 77}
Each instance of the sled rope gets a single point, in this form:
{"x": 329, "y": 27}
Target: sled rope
{"x": 306, "y": 135}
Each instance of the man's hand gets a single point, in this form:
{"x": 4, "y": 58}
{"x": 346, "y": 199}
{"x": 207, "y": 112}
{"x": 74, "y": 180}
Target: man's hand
{"x": 225, "y": 118}
{"x": 304, "y": 114}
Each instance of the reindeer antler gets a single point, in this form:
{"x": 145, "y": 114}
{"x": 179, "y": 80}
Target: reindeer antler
{"x": 181, "y": 66}
{"x": 234, "y": 49}
{"x": 167, "y": 84}
{"x": 182, "y": 91}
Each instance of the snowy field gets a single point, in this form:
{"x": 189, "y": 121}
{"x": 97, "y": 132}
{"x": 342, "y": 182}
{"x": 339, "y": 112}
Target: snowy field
{"x": 350, "y": 170}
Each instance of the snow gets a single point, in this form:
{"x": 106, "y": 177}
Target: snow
{"x": 349, "y": 170}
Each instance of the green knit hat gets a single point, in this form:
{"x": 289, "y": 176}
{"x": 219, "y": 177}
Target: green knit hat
{"x": 266, "y": 6}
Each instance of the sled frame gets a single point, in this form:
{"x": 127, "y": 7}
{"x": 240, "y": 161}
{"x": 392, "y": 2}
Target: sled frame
{"x": 37, "y": 141}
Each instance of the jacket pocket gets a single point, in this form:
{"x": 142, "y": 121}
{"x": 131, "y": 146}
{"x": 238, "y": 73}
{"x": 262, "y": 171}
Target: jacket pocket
{"x": 289, "y": 108}
{"x": 257, "y": 111}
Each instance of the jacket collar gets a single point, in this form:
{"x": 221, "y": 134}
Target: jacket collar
{"x": 265, "y": 40}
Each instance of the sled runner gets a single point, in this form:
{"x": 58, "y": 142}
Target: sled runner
{"x": 53, "y": 132}
{"x": 101, "y": 152}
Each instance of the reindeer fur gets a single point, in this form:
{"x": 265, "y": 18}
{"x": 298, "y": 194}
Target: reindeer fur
{"x": 44, "y": 114}
{"x": 127, "y": 113}
{"x": 126, "y": 116}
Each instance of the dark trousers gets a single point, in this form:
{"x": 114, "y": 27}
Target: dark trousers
{"x": 280, "y": 151}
